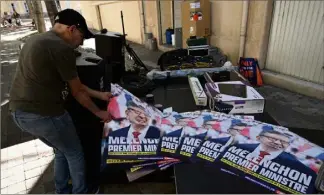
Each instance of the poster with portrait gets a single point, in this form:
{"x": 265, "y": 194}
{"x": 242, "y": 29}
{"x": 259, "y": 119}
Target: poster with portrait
{"x": 157, "y": 163}
{"x": 134, "y": 132}
{"x": 275, "y": 158}
{"x": 176, "y": 127}
{"x": 142, "y": 137}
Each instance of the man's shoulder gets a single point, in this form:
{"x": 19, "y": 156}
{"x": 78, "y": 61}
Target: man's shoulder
{"x": 118, "y": 132}
{"x": 287, "y": 156}
{"x": 153, "y": 132}
{"x": 251, "y": 146}
{"x": 48, "y": 40}
{"x": 152, "y": 128}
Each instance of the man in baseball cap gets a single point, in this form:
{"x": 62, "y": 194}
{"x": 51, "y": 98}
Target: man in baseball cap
{"x": 47, "y": 63}
{"x": 71, "y": 17}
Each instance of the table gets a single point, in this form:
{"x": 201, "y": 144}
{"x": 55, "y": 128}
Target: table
{"x": 195, "y": 178}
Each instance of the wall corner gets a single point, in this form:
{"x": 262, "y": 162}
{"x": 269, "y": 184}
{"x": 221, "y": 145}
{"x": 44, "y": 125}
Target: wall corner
{"x": 266, "y": 34}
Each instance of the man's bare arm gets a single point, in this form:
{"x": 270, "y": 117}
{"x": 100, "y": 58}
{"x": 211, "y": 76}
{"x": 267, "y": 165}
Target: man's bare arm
{"x": 79, "y": 92}
{"x": 94, "y": 93}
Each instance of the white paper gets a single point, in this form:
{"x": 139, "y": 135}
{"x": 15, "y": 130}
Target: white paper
{"x": 195, "y": 5}
{"x": 191, "y": 30}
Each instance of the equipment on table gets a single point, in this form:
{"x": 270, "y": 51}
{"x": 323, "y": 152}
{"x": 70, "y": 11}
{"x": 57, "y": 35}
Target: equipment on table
{"x": 217, "y": 55}
{"x": 196, "y": 56}
{"x": 234, "y": 97}
{"x": 197, "y": 91}
{"x": 109, "y": 46}
{"x": 193, "y": 41}
{"x": 135, "y": 82}
{"x": 200, "y": 50}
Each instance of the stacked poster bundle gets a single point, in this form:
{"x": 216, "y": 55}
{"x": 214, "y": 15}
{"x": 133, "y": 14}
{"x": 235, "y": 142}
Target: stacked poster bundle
{"x": 142, "y": 137}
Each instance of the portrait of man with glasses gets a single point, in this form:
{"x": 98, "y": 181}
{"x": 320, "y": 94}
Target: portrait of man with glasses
{"x": 139, "y": 127}
{"x": 272, "y": 145}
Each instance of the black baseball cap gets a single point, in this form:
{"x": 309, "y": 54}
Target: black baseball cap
{"x": 71, "y": 17}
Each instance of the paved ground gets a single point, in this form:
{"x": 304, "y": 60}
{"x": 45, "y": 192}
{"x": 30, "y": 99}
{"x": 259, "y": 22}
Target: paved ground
{"x": 26, "y": 164}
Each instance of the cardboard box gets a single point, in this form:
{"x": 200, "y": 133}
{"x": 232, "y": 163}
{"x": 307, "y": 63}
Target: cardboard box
{"x": 248, "y": 100}
{"x": 195, "y": 19}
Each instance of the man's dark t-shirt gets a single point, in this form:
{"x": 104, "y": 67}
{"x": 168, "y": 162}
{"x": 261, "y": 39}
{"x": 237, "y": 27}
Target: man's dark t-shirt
{"x": 45, "y": 63}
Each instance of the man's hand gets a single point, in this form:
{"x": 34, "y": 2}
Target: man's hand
{"x": 105, "y": 96}
{"x": 104, "y": 115}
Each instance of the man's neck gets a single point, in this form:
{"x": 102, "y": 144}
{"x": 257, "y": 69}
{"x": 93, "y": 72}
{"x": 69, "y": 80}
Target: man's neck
{"x": 138, "y": 128}
{"x": 60, "y": 34}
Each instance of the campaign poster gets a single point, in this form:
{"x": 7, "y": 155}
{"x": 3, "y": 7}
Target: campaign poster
{"x": 194, "y": 133}
{"x": 175, "y": 128}
{"x": 125, "y": 163}
{"x": 210, "y": 151}
{"x": 184, "y": 132}
{"x": 278, "y": 159}
{"x": 157, "y": 163}
{"x": 134, "y": 132}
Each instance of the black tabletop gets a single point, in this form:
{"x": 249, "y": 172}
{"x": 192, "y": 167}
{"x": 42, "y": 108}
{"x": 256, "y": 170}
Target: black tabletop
{"x": 195, "y": 178}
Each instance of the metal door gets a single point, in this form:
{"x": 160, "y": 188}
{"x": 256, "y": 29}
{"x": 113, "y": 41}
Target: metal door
{"x": 296, "y": 45}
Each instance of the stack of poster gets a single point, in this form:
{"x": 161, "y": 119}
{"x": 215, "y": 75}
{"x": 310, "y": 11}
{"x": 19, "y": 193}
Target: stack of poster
{"x": 143, "y": 138}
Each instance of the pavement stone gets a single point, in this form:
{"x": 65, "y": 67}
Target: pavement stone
{"x": 34, "y": 164}
{"x": 30, "y": 183}
{"x": 4, "y": 165}
{"x": 15, "y": 162}
{"x": 4, "y": 190}
{"x": 31, "y": 157}
{"x": 33, "y": 173}
{"x": 22, "y": 192}
{"x": 5, "y": 174}
{"x": 4, "y": 154}
{"x": 18, "y": 187}
{"x": 48, "y": 159}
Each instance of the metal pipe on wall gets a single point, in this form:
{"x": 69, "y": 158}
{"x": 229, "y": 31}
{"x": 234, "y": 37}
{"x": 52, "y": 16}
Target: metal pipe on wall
{"x": 245, "y": 13}
{"x": 143, "y": 16}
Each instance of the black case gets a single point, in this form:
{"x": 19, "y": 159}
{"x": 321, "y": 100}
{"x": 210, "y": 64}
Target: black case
{"x": 88, "y": 126}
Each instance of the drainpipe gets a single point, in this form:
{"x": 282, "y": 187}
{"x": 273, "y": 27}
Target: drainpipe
{"x": 245, "y": 13}
{"x": 143, "y": 16}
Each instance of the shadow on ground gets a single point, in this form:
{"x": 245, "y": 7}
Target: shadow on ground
{"x": 45, "y": 183}
{"x": 10, "y": 133}
{"x": 293, "y": 110}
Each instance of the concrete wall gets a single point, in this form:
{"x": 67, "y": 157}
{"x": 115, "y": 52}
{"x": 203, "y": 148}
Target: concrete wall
{"x": 258, "y": 30}
{"x": 225, "y": 24}
{"x": 225, "y": 27}
{"x": 88, "y": 10}
{"x": 151, "y": 18}
{"x": 130, "y": 9}
{"x": 166, "y": 17}
{"x": 71, "y": 4}
{"x": 111, "y": 19}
